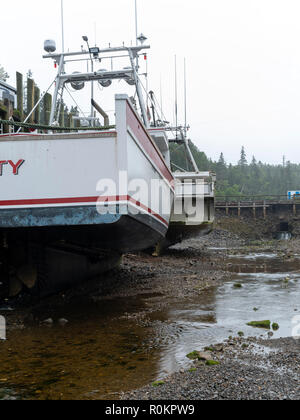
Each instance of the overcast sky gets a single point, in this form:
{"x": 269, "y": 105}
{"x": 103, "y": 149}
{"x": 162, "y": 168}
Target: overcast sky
{"x": 243, "y": 62}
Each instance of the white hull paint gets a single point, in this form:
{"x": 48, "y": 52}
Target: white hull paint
{"x": 196, "y": 217}
{"x": 194, "y": 190}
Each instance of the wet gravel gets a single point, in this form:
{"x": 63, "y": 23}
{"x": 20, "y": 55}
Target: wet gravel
{"x": 249, "y": 370}
{"x": 246, "y": 369}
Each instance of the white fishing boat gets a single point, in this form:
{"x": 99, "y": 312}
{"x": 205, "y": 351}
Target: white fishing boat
{"x": 193, "y": 213}
{"x": 94, "y": 188}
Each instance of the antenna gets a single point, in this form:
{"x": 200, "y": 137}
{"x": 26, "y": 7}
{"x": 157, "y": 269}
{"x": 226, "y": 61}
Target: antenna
{"x": 161, "y": 97}
{"x": 62, "y": 26}
{"x": 176, "y": 98}
{"x": 185, "y": 100}
{"x": 136, "y": 23}
{"x": 136, "y": 33}
{"x": 95, "y": 30}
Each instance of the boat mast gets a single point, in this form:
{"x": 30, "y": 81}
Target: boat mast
{"x": 62, "y": 26}
{"x": 136, "y": 67}
{"x": 186, "y": 141}
{"x": 62, "y": 77}
{"x": 86, "y": 39}
{"x": 138, "y": 89}
{"x": 176, "y": 98}
{"x": 185, "y": 101}
{"x": 136, "y": 33}
{"x": 189, "y": 153}
{"x": 57, "y": 88}
{"x": 136, "y": 24}
{"x": 61, "y": 63}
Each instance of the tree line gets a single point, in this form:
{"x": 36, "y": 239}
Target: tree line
{"x": 245, "y": 178}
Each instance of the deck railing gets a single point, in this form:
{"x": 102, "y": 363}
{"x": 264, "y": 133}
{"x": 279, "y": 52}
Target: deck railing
{"x": 256, "y": 203}
{"x": 268, "y": 199}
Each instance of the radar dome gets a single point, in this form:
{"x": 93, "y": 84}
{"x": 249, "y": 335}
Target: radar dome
{"x": 50, "y": 46}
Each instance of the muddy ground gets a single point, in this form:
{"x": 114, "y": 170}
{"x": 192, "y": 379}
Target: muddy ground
{"x": 244, "y": 369}
{"x": 186, "y": 270}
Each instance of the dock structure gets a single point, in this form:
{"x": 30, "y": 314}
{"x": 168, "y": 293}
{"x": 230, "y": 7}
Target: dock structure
{"x": 27, "y": 100}
{"x": 259, "y": 206}
{"x": 7, "y": 102}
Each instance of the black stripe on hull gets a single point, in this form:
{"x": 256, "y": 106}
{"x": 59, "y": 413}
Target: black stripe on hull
{"x": 83, "y": 226}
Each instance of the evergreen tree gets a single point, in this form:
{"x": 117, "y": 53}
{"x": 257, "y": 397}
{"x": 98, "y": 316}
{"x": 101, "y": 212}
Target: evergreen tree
{"x": 221, "y": 168}
{"x": 3, "y": 74}
{"x": 243, "y": 159}
{"x": 222, "y": 160}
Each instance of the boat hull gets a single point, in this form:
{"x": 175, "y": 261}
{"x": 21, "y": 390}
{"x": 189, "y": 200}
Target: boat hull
{"x": 93, "y": 191}
{"x": 66, "y": 256}
{"x": 119, "y": 233}
{"x": 87, "y": 187}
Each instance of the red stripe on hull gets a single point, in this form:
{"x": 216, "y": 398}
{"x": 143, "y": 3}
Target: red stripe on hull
{"x": 80, "y": 200}
{"x": 147, "y": 143}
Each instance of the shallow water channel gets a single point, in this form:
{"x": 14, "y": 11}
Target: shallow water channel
{"x": 102, "y": 351}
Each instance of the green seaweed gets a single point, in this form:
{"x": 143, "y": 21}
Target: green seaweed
{"x": 194, "y": 355}
{"x": 212, "y": 363}
{"x": 260, "y": 324}
{"x": 158, "y": 383}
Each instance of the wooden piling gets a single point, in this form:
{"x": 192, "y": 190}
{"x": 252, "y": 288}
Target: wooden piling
{"x": 254, "y": 210}
{"x": 265, "y": 210}
{"x": 7, "y": 111}
{"x": 37, "y": 93}
{"x": 62, "y": 116}
{"x": 70, "y": 120}
{"x": 47, "y": 104}
{"x": 30, "y": 99}
{"x": 20, "y": 109}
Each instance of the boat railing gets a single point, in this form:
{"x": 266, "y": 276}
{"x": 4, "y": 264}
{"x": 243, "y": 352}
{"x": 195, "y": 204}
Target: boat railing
{"x": 47, "y": 128}
{"x": 192, "y": 189}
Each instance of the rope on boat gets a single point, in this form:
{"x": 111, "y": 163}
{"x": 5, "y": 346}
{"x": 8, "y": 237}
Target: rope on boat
{"x": 53, "y": 128}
